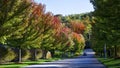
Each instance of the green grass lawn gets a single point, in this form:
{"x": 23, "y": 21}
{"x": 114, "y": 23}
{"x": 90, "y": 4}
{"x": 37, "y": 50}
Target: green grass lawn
{"x": 110, "y": 62}
{"x": 26, "y": 63}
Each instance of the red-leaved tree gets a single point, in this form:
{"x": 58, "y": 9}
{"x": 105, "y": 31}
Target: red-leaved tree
{"x": 77, "y": 27}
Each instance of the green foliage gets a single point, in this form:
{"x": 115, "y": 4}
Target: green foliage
{"x": 11, "y": 15}
{"x": 106, "y": 26}
{"x": 39, "y": 54}
{"x": 77, "y": 54}
{"x": 77, "y": 47}
{"x": 6, "y": 55}
{"x": 107, "y": 20}
{"x": 25, "y": 55}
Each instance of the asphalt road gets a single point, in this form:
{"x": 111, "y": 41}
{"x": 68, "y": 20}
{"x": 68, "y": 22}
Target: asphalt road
{"x": 87, "y": 60}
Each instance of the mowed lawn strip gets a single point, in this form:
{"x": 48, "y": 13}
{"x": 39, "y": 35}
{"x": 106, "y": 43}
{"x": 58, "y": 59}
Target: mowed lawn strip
{"x": 26, "y": 63}
{"x": 110, "y": 62}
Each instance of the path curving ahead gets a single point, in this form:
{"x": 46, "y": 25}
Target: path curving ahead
{"x": 87, "y": 60}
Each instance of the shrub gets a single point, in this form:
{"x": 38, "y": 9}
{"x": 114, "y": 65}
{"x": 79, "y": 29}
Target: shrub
{"x": 58, "y": 54}
{"x": 77, "y": 54}
{"x": 6, "y": 55}
{"x": 48, "y": 55}
{"x": 25, "y": 55}
{"x": 39, "y": 54}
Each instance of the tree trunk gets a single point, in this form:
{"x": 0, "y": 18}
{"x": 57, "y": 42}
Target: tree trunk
{"x": 108, "y": 52}
{"x": 115, "y": 54}
{"x": 100, "y": 53}
{"x": 35, "y": 54}
{"x": 112, "y": 50}
{"x": 118, "y": 52}
{"x": 105, "y": 51}
{"x": 20, "y": 56}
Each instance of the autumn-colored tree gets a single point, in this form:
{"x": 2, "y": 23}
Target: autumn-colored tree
{"x": 79, "y": 42}
{"x": 77, "y": 27}
{"x": 26, "y": 25}
{"x": 44, "y": 22}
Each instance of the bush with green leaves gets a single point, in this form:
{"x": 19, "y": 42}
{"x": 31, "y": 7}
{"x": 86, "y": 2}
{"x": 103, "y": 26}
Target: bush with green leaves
{"x": 39, "y": 54}
{"x": 6, "y": 54}
{"x": 25, "y": 54}
{"x": 35, "y": 54}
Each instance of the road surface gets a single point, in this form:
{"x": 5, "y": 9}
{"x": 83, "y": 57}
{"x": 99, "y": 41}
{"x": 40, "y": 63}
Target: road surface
{"x": 87, "y": 60}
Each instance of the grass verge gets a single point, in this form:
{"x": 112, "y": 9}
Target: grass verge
{"x": 26, "y": 63}
{"x": 110, "y": 62}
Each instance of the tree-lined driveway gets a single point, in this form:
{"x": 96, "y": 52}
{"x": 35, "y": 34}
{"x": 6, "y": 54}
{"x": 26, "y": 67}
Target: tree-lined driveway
{"x": 87, "y": 60}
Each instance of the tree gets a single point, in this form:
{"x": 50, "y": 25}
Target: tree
{"x": 107, "y": 22}
{"x": 11, "y": 15}
{"x": 44, "y": 24}
{"x": 77, "y": 27}
{"x": 79, "y": 42}
{"x": 61, "y": 34}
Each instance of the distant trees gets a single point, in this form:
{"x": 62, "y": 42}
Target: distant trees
{"x": 64, "y": 37}
{"x": 81, "y": 23}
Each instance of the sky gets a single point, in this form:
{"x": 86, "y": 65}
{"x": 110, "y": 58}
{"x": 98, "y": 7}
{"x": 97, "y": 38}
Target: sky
{"x": 67, "y": 7}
